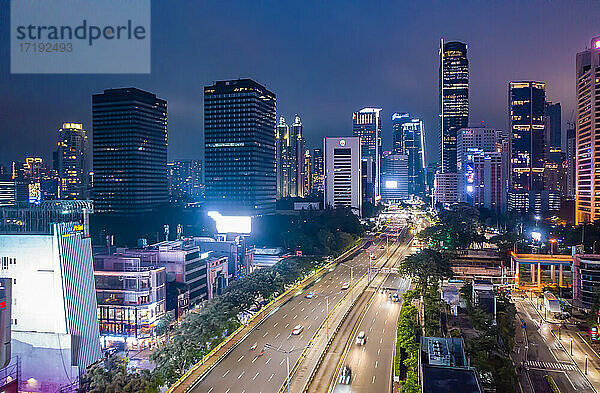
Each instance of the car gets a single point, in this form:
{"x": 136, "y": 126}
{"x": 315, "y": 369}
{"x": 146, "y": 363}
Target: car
{"x": 297, "y": 330}
{"x": 361, "y": 338}
{"x": 309, "y": 295}
{"x": 395, "y": 297}
{"x": 346, "y": 376}
{"x": 346, "y": 285}
{"x": 382, "y": 246}
{"x": 111, "y": 351}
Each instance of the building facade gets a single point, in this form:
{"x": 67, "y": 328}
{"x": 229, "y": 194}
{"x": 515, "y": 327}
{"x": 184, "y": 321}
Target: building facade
{"x": 587, "y": 201}
{"x": 489, "y": 184}
{"x": 240, "y": 151}
{"x": 343, "y": 173}
{"x": 395, "y": 178}
{"x": 318, "y": 174}
{"x": 185, "y": 180}
{"x": 412, "y": 145}
{"x": 283, "y": 158}
{"x": 454, "y": 99}
{"x": 570, "y": 163}
{"x": 130, "y": 151}
{"x": 46, "y": 250}
{"x": 398, "y": 119}
{"x": 71, "y": 163}
{"x": 366, "y": 125}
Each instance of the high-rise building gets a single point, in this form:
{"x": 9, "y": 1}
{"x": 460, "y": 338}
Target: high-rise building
{"x": 554, "y": 172}
{"x": 47, "y": 252}
{"x": 240, "y": 151}
{"x": 408, "y": 140}
{"x": 454, "y": 99}
{"x": 318, "y": 170}
{"x": 34, "y": 180}
{"x": 307, "y": 178}
{"x": 472, "y": 142}
{"x": 71, "y": 163}
{"x": 571, "y": 162}
{"x": 395, "y": 177}
{"x": 366, "y": 124}
{"x": 129, "y": 128}
{"x": 185, "y": 180}
{"x": 489, "y": 186}
{"x": 587, "y": 201}
{"x": 297, "y": 150}
{"x": 398, "y": 119}
{"x": 343, "y": 173}
{"x": 7, "y": 190}
{"x": 283, "y": 158}
{"x": 527, "y": 192}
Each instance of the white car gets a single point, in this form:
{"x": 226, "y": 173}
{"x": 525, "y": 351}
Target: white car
{"x": 297, "y": 330}
{"x": 361, "y": 338}
{"x": 346, "y": 285}
{"x": 309, "y": 295}
{"x": 346, "y": 376}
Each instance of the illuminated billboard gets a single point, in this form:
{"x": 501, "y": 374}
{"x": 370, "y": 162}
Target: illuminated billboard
{"x": 391, "y": 184}
{"x": 231, "y": 224}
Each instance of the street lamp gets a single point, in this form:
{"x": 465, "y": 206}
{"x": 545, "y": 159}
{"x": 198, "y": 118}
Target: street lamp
{"x": 571, "y": 346}
{"x": 351, "y": 280}
{"x": 586, "y": 356}
{"x": 287, "y": 358}
{"x": 552, "y": 243}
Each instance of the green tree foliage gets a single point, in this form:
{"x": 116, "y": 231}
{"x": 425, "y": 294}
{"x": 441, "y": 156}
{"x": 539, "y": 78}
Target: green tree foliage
{"x": 111, "y": 376}
{"x": 456, "y": 228}
{"x": 427, "y": 267}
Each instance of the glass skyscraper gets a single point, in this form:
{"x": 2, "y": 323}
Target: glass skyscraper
{"x": 366, "y": 124}
{"x": 408, "y": 141}
{"x": 130, "y": 151}
{"x": 71, "y": 161}
{"x": 240, "y": 147}
{"x": 454, "y": 99}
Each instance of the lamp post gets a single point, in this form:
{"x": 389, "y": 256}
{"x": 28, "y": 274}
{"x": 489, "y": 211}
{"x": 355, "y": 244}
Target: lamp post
{"x": 571, "y": 346}
{"x": 586, "y": 357}
{"x": 351, "y": 280}
{"x": 287, "y": 359}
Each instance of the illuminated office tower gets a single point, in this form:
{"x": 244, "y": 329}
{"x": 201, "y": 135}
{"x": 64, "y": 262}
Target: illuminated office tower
{"x": 129, "y": 128}
{"x": 395, "y": 178}
{"x": 296, "y": 158}
{"x": 318, "y": 171}
{"x": 554, "y": 171}
{"x": 412, "y": 145}
{"x": 283, "y": 162}
{"x": 398, "y": 119}
{"x": 185, "y": 180}
{"x": 527, "y": 192}
{"x": 366, "y": 125}
{"x": 454, "y": 99}
{"x": 343, "y": 173}
{"x": 240, "y": 152}
{"x": 587, "y": 201}
{"x": 71, "y": 162}
{"x": 571, "y": 162}
{"x": 307, "y": 179}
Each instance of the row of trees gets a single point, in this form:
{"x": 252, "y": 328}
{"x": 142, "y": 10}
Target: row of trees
{"x": 407, "y": 347}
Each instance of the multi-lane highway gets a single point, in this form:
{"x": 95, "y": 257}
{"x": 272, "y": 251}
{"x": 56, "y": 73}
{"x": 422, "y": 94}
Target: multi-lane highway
{"x": 247, "y": 370}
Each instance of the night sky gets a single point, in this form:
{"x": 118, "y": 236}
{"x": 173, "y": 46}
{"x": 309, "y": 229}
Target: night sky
{"x": 323, "y": 59}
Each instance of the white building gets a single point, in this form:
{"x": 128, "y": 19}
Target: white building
{"x": 446, "y": 186}
{"x": 54, "y": 322}
{"x": 343, "y": 173}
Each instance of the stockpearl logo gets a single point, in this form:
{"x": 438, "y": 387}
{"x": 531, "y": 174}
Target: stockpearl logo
{"x": 80, "y": 36}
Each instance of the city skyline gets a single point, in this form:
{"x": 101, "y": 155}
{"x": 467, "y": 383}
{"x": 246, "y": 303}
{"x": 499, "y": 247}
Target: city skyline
{"x": 398, "y": 84}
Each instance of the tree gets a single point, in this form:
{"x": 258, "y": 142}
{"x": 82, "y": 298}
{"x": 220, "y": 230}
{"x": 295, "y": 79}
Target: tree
{"x": 111, "y": 376}
{"x": 427, "y": 267}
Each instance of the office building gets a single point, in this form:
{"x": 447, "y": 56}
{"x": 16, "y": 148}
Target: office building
{"x": 454, "y": 99}
{"x": 71, "y": 165}
{"x": 297, "y": 150}
{"x": 408, "y": 140}
{"x": 318, "y": 174}
{"x": 185, "y": 180}
{"x": 395, "y": 178}
{"x": 283, "y": 158}
{"x": 307, "y": 174}
{"x": 46, "y": 250}
{"x": 570, "y": 162}
{"x": 446, "y": 188}
{"x": 586, "y": 280}
{"x": 488, "y": 189}
{"x": 240, "y": 151}
{"x": 239, "y": 255}
{"x": 366, "y": 125}
{"x": 131, "y": 300}
{"x": 398, "y": 119}
{"x": 527, "y": 192}
{"x": 343, "y": 173}
{"x": 7, "y": 190}
{"x": 553, "y": 171}
{"x": 129, "y": 128}
{"x": 471, "y": 142}
{"x": 587, "y": 201}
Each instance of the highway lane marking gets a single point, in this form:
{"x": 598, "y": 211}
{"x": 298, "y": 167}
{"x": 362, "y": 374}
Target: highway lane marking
{"x": 255, "y": 376}
{"x": 241, "y": 357}
{"x": 267, "y": 362}
{"x": 306, "y": 317}
{"x": 373, "y": 381}
{"x": 295, "y": 316}
{"x": 293, "y": 308}
{"x": 276, "y": 323}
{"x": 316, "y": 317}
{"x": 271, "y": 377}
{"x": 254, "y": 360}
{"x": 211, "y": 389}
{"x": 241, "y": 374}
{"x": 376, "y": 363}
{"x": 383, "y": 332}
{"x": 284, "y": 316}
{"x": 289, "y": 335}
{"x": 280, "y": 345}
{"x": 282, "y": 360}
{"x": 228, "y": 389}
{"x": 380, "y": 340}
{"x": 302, "y": 309}
{"x": 318, "y": 304}
{"x": 286, "y": 325}
{"x": 308, "y": 328}
{"x": 313, "y": 310}
{"x": 265, "y": 335}
{"x": 226, "y": 372}
{"x": 323, "y": 310}
{"x": 277, "y": 335}
{"x": 379, "y": 350}
{"x": 371, "y": 328}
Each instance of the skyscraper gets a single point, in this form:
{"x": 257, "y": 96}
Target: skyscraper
{"x": 343, "y": 173}
{"x": 587, "y": 199}
{"x": 307, "y": 176}
{"x": 185, "y": 180}
{"x": 296, "y": 158}
{"x": 240, "y": 151}
{"x": 454, "y": 98}
{"x": 395, "y": 178}
{"x": 571, "y": 162}
{"x": 527, "y": 193}
{"x": 366, "y": 124}
{"x": 130, "y": 151}
{"x": 318, "y": 170}
{"x": 398, "y": 119}
{"x": 283, "y": 162}
{"x": 410, "y": 143}
{"x": 71, "y": 163}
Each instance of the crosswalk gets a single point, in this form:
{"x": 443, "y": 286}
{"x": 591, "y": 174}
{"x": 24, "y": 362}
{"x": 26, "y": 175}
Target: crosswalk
{"x": 551, "y": 365}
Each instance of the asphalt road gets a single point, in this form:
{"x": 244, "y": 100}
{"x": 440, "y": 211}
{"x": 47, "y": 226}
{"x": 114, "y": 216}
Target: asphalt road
{"x": 245, "y": 370}
{"x": 372, "y": 363}
{"x": 543, "y": 354}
